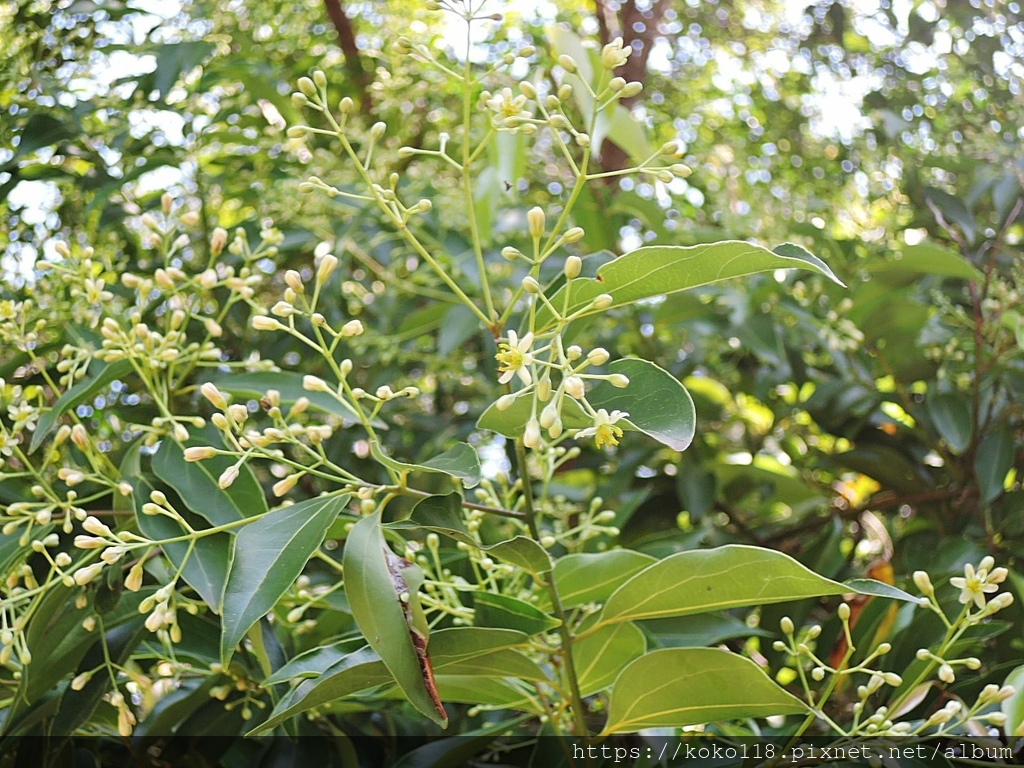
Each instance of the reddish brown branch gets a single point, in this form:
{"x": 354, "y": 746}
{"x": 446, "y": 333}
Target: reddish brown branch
{"x": 353, "y": 60}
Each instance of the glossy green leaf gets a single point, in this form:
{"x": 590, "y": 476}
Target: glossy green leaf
{"x": 952, "y": 418}
{"x": 1013, "y": 707}
{"x": 496, "y": 692}
{"x": 705, "y": 580}
{"x": 375, "y": 602}
{"x": 504, "y": 663}
{"x": 196, "y": 482}
{"x": 699, "y": 630}
{"x": 267, "y": 556}
{"x": 493, "y": 610}
{"x": 460, "y": 461}
{"x": 879, "y": 589}
{"x": 992, "y": 462}
{"x": 354, "y": 672}
{"x": 76, "y": 395}
{"x": 334, "y": 672}
{"x": 688, "y": 686}
{"x": 929, "y": 259}
{"x": 592, "y": 576}
{"x": 255, "y": 385}
{"x": 600, "y": 657}
{"x": 657, "y": 404}
{"x": 656, "y": 270}
{"x": 443, "y": 514}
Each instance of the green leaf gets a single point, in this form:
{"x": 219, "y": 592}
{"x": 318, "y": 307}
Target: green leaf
{"x": 460, "y": 324}
{"x": 600, "y": 657}
{"x": 657, "y": 270}
{"x": 698, "y": 630}
{"x": 879, "y": 589}
{"x": 505, "y": 663}
{"x": 496, "y": 692}
{"x": 460, "y": 461}
{"x": 268, "y": 555}
{"x": 705, "y": 580}
{"x": 206, "y": 566}
{"x": 992, "y": 463}
{"x": 688, "y": 686}
{"x": 255, "y": 386}
{"x": 338, "y": 672}
{"x": 658, "y": 405}
{"x": 354, "y": 672}
{"x": 196, "y": 482}
{"x": 930, "y": 259}
{"x": 493, "y": 610}
{"x": 591, "y": 577}
{"x": 370, "y": 586}
{"x": 952, "y": 418}
{"x": 1013, "y": 707}
{"x": 78, "y": 394}
{"x": 443, "y": 514}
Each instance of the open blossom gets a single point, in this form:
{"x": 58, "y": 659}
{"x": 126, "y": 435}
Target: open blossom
{"x": 974, "y": 585}
{"x": 505, "y": 104}
{"x": 514, "y": 358}
{"x": 604, "y": 430}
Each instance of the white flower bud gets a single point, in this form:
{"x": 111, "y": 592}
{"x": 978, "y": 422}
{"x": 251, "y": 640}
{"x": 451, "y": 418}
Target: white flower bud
{"x": 352, "y": 328}
{"x": 631, "y": 89}
{"x": 574, "y": 352}
{"x": 327, "y": 265}
{"x": 281, "y": 487}
{"x": 377, "y": 131}
{"x": 504, "y": 402}
{"x": 618, "y": 380}
{"x": 511, "y": 254}
{"x": 786, "y": 625}
{"x": 314, "y": 384}
{"x": 548, "y": 415}
{"x": 598, "y": 356}
{"x": 946, "y": 674}
{"x": 228, "y": 477}
{"x": 923, "y": 583}
{"x": 215, "y": 396}
{"x": 574, "y": 387}
{"x": 238, "y": 413}
{"x": 568, "y": 63}
{"x": 384, "y": 393}
{"x": 133, "y": 582}
{"x": 531, "y": 435}
{"x": 84, "y": 575}
{"x": 603, "y": 301}
{"x": 530, "y": 284}
{"x": 307, "y": 87}
{"x": 535, "y": 219}
{"x": 264, "y": 323}
{"x": 573, "y": 265}
{"x": 218, "y": 240}
{"x": 345, "y": 105}
{"x": 843, "y": 611}
{"x": 526, "y": 88}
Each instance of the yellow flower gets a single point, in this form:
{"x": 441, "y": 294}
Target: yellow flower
{"x": 604, "y": 430}
{"x": 514, "y": 357}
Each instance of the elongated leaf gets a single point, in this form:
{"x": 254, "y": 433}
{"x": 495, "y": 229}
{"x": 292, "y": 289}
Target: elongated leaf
{"x": 206, "y": 568}
{"x": 713, "y": 579}
{"x": 657, "y": 270}
{"x": 289, "y": 385}
{"x": 328, "y": 673}
{"x": 494, "y": 610}
{"x": 196, "y": 482}
{"x": 268, "y": 555}
{"x": 879, "y": 589}
{"x": 592, "y": 577}
{"x": 992, "y": 462}
{"x": 354, "y": 672}
{"x": 76, "y": 395}
{"x": 657, "y": 404}
{"x": 687, "y": 686}
{"x": 465, "y": 689}
{"x": 443, "y": 514}
{"x": 505, "y": 663}
{"x": 600, "y": 657}
{"x": 952, "y": 418}
{"x": 930, "y": 259}
{"x": 377, "y": 608}
{"x": 1013, "y": 707}
{"x": 459, "y": 461}
{"x": 457, "y": 751}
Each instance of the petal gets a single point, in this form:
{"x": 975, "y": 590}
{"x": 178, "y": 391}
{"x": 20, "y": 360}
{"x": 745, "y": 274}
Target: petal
{"x": 524, "y": 375}
{"x": 506, "y": 377}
